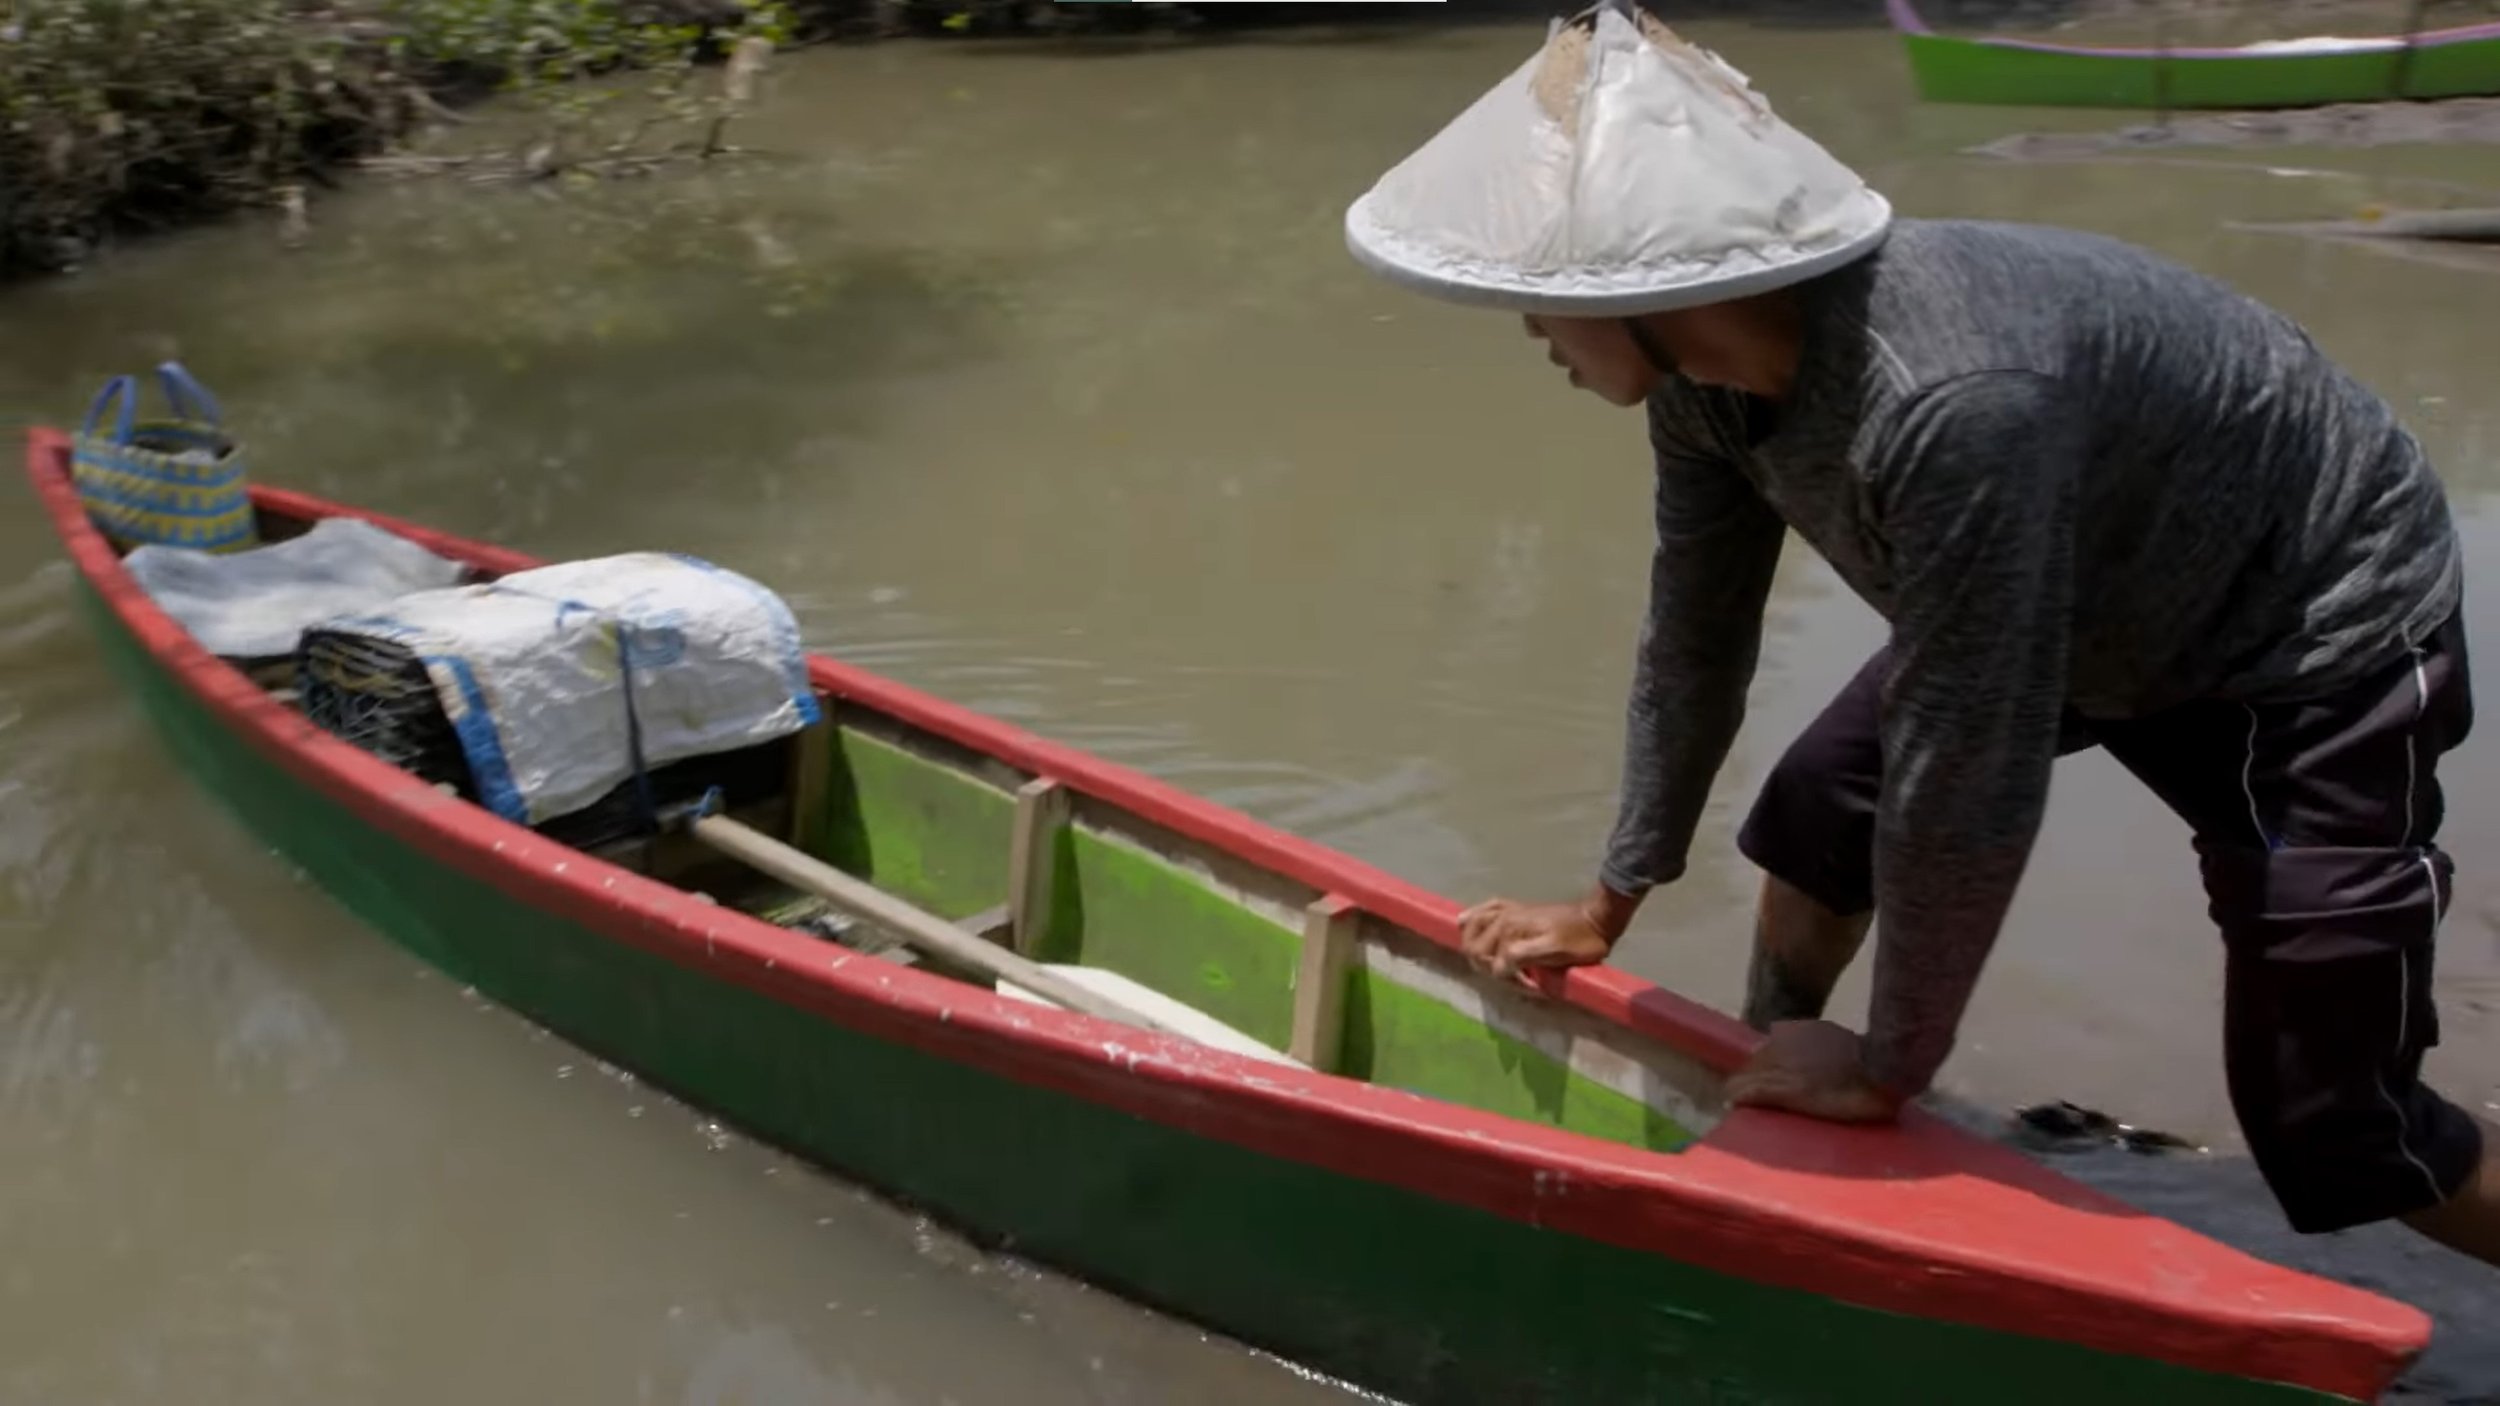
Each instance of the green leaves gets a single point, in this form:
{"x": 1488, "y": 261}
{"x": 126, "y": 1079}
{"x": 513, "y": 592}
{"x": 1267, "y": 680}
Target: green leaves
{"x": 541, "y": 51}
{"x": 153, "y": 106}
{"x": 534, "y": 43}
{"x": 122, "y": 114}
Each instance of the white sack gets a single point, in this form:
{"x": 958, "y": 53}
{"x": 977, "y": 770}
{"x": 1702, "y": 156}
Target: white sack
{"x": 255, "y": 604}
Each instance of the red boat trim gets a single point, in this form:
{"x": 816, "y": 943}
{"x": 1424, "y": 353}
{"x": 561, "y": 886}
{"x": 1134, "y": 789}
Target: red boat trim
{"x": 1921, "y": 1219}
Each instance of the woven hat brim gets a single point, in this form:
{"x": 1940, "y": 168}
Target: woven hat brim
{"x": 1615, "y": 293}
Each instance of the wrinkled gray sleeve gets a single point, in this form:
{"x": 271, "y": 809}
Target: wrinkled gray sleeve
{"x": 1717, "y": 545}
{"x": 1974, "y": 485}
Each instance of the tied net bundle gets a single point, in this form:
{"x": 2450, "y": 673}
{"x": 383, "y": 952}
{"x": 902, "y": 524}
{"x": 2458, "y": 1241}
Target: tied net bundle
{"x": 377, "y": 696}
{"x": 583, "y": 696}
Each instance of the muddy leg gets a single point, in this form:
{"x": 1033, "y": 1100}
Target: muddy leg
{"x": 1800, "y": 949}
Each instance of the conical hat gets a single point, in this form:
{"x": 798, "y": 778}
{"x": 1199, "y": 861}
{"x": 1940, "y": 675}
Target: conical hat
{"x": 1620, "y": 170}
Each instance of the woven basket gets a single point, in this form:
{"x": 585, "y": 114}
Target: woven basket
{"x": 175, "y": 482}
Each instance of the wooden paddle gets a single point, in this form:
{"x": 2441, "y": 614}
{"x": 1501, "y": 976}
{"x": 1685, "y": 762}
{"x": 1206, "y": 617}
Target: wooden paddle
{"x": 922, "y": 929}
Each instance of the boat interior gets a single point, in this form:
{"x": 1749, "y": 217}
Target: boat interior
{"x": 868, "y": 831}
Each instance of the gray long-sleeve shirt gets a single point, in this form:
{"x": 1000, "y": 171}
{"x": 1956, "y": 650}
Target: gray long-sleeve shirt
{"x": 2068, "y": 473}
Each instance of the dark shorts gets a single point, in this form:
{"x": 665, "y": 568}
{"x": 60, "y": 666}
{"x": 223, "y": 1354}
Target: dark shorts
{"x": 2314, "y": 825}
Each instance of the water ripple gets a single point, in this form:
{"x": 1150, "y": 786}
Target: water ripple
{"x": 48, "y": 1060}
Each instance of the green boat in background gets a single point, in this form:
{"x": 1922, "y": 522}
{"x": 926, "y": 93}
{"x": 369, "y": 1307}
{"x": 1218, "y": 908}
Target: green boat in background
{"x": 2461, "y": 62}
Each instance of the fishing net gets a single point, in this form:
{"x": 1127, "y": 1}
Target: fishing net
{"x": 377, "y": 695}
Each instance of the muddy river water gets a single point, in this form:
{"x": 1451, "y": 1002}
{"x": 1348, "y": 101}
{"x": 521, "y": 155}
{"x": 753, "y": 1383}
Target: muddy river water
{"x": 1035, "y": 376}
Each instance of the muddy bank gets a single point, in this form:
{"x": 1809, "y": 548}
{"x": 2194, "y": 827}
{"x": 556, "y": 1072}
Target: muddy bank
{"x": 2464, "y": 258}
{"x": 129, "y": 120}
{"x": 2458, "y": 121}
{"x": 2465, "y": 240}
{"x": 2479, "y": 226}
{"x": 2464, "y": 235}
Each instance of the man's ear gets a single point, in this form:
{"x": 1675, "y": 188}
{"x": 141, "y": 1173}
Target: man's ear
{"x": 1652, "y": 351}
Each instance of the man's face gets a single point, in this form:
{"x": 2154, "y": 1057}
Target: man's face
{"x": 1600, "y": 355}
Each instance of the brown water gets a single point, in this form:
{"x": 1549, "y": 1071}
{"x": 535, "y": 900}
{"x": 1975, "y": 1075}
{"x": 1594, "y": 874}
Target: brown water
{"x": 1036, "y": 378}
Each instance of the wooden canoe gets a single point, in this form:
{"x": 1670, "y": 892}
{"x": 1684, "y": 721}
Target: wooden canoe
{"x": 1479, "y": 1193}
{"x": 2458, "y": 62}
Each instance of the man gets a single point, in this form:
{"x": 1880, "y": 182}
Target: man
{"x": 2101, "y": 500}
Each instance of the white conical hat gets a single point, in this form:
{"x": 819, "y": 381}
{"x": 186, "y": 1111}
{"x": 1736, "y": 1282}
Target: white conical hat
{"x": 1620, "y": 170}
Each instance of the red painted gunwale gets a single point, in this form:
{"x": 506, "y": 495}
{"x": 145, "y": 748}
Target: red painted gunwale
{"x": 1920, "y": 1219}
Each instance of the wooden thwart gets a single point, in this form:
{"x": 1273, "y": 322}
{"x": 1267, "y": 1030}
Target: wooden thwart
{"x": 1328, "y": 934}
{"x": 1032, "y": 860}
{"x": 811, "y": 765}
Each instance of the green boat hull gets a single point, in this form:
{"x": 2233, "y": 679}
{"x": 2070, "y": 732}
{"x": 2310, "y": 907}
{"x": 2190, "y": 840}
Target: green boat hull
{"x": 1950, "y": 69}
{"x": 1376, "y": 1284}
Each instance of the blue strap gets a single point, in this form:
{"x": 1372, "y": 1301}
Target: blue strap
{"x": 127, "y": 391}
{"x": 646, "y": 801}
{"x": 185, "y": 392}
{"x": 644, "y": 798}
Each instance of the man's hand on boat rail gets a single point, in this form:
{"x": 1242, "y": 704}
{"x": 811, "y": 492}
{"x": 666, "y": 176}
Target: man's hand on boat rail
{"x": 1503, "y": 938}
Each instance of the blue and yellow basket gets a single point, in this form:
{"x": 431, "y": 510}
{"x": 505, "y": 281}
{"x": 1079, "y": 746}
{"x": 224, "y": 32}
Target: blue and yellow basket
{"x": 174, "y": 482}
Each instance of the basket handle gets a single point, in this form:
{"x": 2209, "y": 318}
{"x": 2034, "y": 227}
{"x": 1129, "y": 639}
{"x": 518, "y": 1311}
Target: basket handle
{"x": 122, "y": 389}
{"x": 184, "y": 391}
